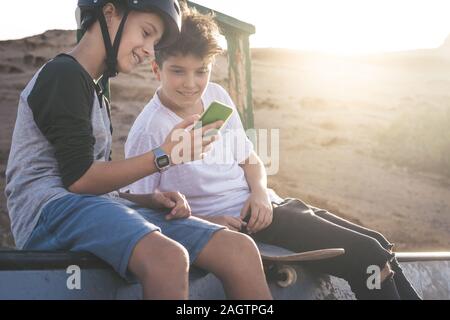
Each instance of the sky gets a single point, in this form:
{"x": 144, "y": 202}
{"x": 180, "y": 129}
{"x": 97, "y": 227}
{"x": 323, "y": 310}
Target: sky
{"x": 331, "y": 26}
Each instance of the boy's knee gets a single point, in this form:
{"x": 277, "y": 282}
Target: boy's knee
{"x": 242, "y": 243}
{"x": 236, "y": 241}
{"x": 175, "y": 253}
{"x": 155, "y": 254}
{"x": 248, "y": 241}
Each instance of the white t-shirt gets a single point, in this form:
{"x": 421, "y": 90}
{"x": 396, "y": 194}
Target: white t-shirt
{"x": 215, "y": 185}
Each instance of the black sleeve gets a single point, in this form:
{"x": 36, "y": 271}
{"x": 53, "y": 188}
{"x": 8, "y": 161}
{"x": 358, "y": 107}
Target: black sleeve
{"x": 61, "y": 101}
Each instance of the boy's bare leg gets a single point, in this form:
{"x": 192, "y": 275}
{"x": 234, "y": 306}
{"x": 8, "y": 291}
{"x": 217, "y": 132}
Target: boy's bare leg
{"x": 234, "y": 258}
{"x": 162, "y": 267}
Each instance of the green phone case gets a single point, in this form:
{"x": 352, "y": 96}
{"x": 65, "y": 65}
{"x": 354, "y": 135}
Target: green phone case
{"x": 216, "y": 111}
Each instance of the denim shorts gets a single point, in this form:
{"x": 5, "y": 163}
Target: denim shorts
{"x": 110, "y": 228}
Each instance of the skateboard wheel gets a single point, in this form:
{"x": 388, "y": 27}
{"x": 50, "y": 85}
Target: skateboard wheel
{"x": 287, "y": 276}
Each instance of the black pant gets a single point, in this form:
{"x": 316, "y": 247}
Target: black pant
{"x": 300, "y": 227}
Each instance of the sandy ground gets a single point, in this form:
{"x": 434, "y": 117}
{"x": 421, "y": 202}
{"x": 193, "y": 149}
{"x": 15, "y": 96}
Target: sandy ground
{"x": 364, "y": 137}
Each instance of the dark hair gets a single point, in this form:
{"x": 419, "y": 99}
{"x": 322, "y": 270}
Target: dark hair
{"x": 89, "y": 16}
{"x": 199, "y": 37}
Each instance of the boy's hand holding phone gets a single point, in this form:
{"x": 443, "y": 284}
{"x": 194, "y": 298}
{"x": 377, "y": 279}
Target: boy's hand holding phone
{"x": 183, "y": 145}
{"x": 216, "y": 111}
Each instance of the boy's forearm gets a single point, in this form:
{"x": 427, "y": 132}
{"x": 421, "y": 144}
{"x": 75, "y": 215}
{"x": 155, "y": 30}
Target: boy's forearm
{"x": 255, "y": 173}
{"x": 104, "y": 177}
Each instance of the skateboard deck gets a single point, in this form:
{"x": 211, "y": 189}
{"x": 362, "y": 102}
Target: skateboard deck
{"x": 274, "y": 253}
{"x": 279, "y": 262}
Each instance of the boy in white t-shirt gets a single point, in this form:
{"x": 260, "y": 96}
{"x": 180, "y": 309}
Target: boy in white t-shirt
{"x": 229, "y": 185}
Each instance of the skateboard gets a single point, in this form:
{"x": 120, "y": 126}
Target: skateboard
{"x": 279, "y": 262}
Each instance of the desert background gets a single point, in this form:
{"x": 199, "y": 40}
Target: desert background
{"x": 366, "y": 137}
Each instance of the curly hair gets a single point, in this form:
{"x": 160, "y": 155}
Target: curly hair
{"x": 199, "y": 37}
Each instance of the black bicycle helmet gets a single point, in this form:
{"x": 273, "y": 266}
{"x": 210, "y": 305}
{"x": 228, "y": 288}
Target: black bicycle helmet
{"x": 168, "y": 10}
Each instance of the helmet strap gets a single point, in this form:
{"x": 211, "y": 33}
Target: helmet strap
{"x": 111, "y": 49}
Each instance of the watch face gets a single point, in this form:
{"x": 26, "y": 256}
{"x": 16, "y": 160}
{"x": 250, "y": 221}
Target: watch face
{"x": 163, "y": 161}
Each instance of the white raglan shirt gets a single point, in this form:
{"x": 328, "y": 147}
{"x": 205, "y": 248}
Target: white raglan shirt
{"x": 215, "y": 185}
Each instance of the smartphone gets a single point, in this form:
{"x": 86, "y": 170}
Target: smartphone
{"x": 215, "y": 112}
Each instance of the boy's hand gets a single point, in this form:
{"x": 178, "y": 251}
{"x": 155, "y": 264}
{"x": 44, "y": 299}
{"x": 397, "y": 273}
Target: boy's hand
{"x": 185, "y": 146}
{"x": 257, "y": 211}
{"x": 232, "y": 223}
{"x": 172, "y": 200}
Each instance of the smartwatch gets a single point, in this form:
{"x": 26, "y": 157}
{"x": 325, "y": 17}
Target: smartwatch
{"x": 162, "y": 160}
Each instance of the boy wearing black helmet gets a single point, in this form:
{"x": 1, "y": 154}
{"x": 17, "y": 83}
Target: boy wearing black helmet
{"x": 61, "y": 183}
